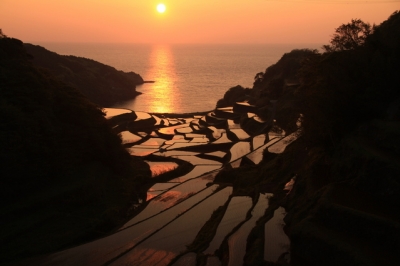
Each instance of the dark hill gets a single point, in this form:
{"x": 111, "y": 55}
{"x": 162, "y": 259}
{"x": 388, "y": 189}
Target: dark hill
{"x": 344, "y": 206}
{"x": 102, "y": 84}
{"x": 279, "y": 82}
{"x": 65, "y": 176}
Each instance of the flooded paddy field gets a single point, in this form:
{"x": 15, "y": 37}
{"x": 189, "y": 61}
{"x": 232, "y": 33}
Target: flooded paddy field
{"x": 188, "y": 219}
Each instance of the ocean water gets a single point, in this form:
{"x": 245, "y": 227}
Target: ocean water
{"x": 188, "y": 78}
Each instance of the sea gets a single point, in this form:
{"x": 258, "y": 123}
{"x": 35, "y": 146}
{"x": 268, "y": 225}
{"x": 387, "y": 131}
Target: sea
{"x": 187, "y": 77}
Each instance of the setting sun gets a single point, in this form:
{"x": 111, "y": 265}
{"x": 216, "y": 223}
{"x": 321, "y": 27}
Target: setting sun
{"x": 161, "y": 8}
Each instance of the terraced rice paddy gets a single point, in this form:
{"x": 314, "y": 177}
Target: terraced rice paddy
{"x": 237, "y": 241}
{"x": 110, "y": 112}
{"x": 236, "y": 213}
{"x": 276, "y": 241}
{"x": 166, "y": 229}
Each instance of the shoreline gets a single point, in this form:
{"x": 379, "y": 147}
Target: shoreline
{"x": 179, "y": 115}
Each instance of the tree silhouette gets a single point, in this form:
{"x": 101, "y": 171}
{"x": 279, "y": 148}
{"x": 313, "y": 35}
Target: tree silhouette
{"x": 349, "y": 36}
{"x": 259, "y": 75}
{"x": 258, "y": 78}
{"x": 2, "y": 35}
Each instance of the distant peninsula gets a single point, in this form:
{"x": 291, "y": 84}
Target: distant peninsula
{"x": 102, "y": 84}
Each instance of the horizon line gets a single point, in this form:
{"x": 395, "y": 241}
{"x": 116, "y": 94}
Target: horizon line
{"x": 183, "y": 43}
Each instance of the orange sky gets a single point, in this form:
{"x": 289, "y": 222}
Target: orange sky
{"x": 185, "y": 21}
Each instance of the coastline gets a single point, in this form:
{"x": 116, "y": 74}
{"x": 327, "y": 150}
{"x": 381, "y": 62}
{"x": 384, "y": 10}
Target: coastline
{"x": 181, "y": 115}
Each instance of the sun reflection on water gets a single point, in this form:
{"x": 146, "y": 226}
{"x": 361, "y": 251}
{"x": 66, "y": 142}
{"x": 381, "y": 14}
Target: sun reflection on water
{"x": 164, "y": 93}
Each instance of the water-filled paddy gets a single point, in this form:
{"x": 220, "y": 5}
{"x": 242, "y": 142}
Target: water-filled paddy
{"x": 276, "y": 241}
{"x": 168, "y": 220}
{"x": 198, "y": 170}
{"x": 236, "y": 213}
{"x": 175, "y": 153}
{"x": 169, "y": 199}
{"x": 280, "y": 146}
{"x": 257, "y": 155}
{"x": 179, "y": 145}
{"x": 128, "y": 137}
{"x": 143, "y": 116}
{"x": 158, "y": 168}
{"x": 237, "y": 241}
{"x": 157, "y": 189}
{"x": 197, "y": 160}
{"x": 239, "y": 149}
{"x": 142, "y": 151}
{"x": 110, "y": 112}
{"x": 173, "y": 238}
{"x": 171, "y": 130}
{"x": 258, "y": 141}
{"x": 240, "y": 134}
{"x": 187, "y": 259}
{"x": 154, "y": 142}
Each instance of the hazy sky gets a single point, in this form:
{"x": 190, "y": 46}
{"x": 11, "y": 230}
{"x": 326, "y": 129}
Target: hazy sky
{"x": 185, "y": 21}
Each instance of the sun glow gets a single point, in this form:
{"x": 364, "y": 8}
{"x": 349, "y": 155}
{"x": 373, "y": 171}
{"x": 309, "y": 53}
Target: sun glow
{"x": 161, "y": 8}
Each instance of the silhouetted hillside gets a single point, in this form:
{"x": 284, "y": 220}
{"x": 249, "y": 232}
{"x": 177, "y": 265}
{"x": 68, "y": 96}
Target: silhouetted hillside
{"x": 343, "y": 209}
{"x": 278, "y": 82}
{"x": 350, "y": 188}
{"x": 65, "y": 176}
{"x": 102, "y": 84}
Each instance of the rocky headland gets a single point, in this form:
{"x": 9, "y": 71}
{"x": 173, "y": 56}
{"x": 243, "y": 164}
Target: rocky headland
{"x": 100, "y": 83}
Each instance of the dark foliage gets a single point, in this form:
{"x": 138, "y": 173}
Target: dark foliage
{"x": 279, "y": 83}
{"x": 2, "y": 35}
{"x": 234, "y": 94}
{"x": 349, "y": 36}
{"x": 342, "y": 89}
{"x": 286, "y": 68}
{"x": 343, "y": 209}
{"x": 349, "y": 185}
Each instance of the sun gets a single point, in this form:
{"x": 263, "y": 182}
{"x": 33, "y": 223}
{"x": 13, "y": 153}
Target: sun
{"x": 161, "y": 8}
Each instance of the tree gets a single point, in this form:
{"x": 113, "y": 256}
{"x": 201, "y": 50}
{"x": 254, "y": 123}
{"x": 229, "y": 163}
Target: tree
{"x": 258, "y": 78}
{"x": 2, "y": 35}
{"x": 349, "y": 36}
